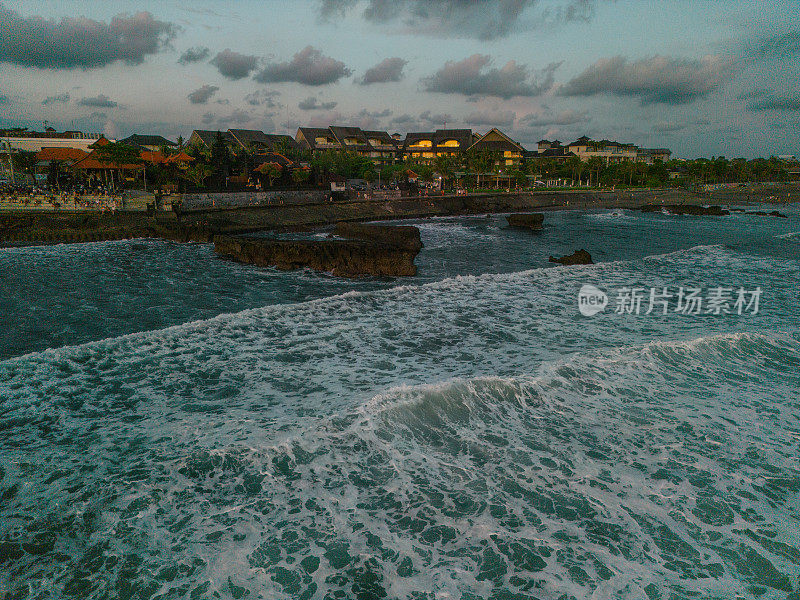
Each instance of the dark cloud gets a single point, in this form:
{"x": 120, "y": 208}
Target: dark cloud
{"x": 80, "y": 42}
{"x": 472, "y": 77}
{"x": 403, "y": 120}
{"x": 435, "y": 119}
{"x": 57, "y": 99}
{"x": 309, "y": 67}
{"x": 566, "y": 117}
{"x": 669, "y": 127}
{"x": 390, "y": 69}
{"x": 4, "y": 99}
{"x": 777, "y": 103}
{"x": 234, "y": 65}
{"x": 311, "y": 103}
{"x": 491, "y": 118}
{"x": 99, "y": 101}
{"x": 209, "y": 118}
{"x": 752, "y": 94}
{"x": 483, "y": 19}
{"x": 263, "y": 98}
{"x": 659, "y": 79}
{"x": 784, "y": 45}
{"x": 193, "y": 55}
{"x": 375, "y": 114}
{"x": 203, "y": 94}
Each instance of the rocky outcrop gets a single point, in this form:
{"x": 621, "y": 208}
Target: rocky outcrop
{"x": 387, "y": 252}
{"x": 687, "y": 209}
{"x": 402, "y": 236}
{"x": 579, "y": 257}
{"x": 772, "y": 213}
{"x": 532, "y": 221}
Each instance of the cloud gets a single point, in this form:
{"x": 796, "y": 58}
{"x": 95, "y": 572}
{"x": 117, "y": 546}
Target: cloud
{"x": 193, "y": 55}
{"x": 237, "y": 117}
{"x": 483, "y": 19}
{"x": 659, "y": 79}
{"x": 752, "y": 94}
{"x": 471, "y": 77}
{"x": 435, "y": 119}
{"x": 784, "y": 45}
{"x": 309, "y": 67}
{"x": 491, "y": 118}
{"x": 59, "y": 98}
{"x": 390, "y": 69}
{"x": 669, "y": 127}
{"x": 367, "y": 119}
{"x": 777, "y": 103}
{"x": 234, "y": 65}
{"x": 311, "y": 103}
{"x": 203, "y": 94}
{"x": 80, "y": 42}
{"x": 403, "y": 120}
{"x": 99, "y": 101}
{"x": 4, "y": 99}
{"x": 263, "y": 98}
{"x": 566, "y": 117}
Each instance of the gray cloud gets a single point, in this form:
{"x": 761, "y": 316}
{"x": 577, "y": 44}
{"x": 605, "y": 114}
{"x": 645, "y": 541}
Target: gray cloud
{"x": 80, "y": 42}
{"x": 777, "y": 103}
{"x": 263, "y": 98}
{"x": 311, "y": 103}
{"x": 309, "y": 67}
{"x": 669, "y": 127}
{"x": 659, "y": 79}
{"x": 59, "y": 98}
{"x": 752, "y": 94}
{"x": 435, "y": 119}
{"x": 390, "y": 69}
{"x": 483, "y": 19}
{"x": 4, "y": 99}
{"x": 403, "y": 120}
{"x": 471, "y": 77}
{"x": 99, "y": 101}
{"x": 203, "y": 94}
{"x": 193, "y": 55}
{"x": 491, "y": 118}
{"x": 234, "y": 65}
{"x": 566, "y": 117}
{"x": 783, "y": 45}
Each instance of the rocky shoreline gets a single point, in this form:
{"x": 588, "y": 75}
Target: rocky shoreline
{"x": 30, "y": 227}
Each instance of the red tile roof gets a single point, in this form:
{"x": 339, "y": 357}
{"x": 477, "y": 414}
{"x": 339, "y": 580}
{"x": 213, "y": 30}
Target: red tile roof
{"x": 61, "y": 154}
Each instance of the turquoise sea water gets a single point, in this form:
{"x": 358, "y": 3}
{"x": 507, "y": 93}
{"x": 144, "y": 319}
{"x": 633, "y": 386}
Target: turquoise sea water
{"x": 178, "y": 426}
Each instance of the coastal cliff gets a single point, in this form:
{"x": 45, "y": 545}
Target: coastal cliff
{"x": 379, "y": 251}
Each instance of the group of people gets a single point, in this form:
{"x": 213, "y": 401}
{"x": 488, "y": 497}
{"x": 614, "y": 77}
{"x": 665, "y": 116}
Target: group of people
{"x": 78, "y": 197}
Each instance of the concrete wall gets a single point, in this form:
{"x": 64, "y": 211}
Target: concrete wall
{"x": 234, "y": 199}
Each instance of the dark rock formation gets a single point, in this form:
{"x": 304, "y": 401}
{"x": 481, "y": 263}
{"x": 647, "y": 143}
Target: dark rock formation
{"x": 402, "y": 236}
{"x": 532, "y": 221}
{"x": 687, "y": 209}
{"x": 773, "y": 213}
{"x": 387, "y": 252}
{"x": 579, "y": 257}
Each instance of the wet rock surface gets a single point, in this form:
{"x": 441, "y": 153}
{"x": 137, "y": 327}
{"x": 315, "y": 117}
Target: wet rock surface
{"x": 579, "y": 257}
{"x": 532, "y": 221}
{"x": 376, "y": 250}
{"x": 687, "y": 209}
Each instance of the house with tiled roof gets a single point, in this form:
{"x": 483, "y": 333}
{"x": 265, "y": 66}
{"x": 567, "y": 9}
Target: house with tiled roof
{"x": 148, "y": 142}
{"x": 586, "y": 148}
{"x": 257, "y": 141}
{"x": 506, "y": 152}
{"x": 378, "y": 146}
{"x": 426, "y": 146}
{"x": 204, "y": 138}
{"x": 317, "y": 139}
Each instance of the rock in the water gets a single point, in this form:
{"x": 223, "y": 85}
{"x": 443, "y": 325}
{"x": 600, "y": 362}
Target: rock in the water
{"x": 386, "y": 253}
{"x": 687, "y": 209}
{"x": 532, "y": 221}
{"x": 402, "y": 236}
{"x": 772, "y": 213}
{"x": 579, "y": 257}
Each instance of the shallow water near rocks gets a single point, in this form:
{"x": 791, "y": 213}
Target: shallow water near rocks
{"x": 178, "y": 426}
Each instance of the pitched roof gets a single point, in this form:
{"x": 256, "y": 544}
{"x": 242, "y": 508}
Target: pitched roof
{"x": 207, "y": 136}
{"x": 254, "y": 137}
{"x": 504, "y": 144}
{"x": 310, "y": 135}
{"x": 61, "y": 154}
{"x": 147, "y": 140}
{"x": 462, "y": 136}
{"x": 90, "y": 161}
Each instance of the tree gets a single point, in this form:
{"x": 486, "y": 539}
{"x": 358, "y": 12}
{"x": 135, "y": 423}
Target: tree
{"x": 271, "y": 171}
{"x": 197, "y": 173}
{"x": 300, "y": 176}
{"x": 25, "y": 162}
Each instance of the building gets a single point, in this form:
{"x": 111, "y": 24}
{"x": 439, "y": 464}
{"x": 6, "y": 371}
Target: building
{"x": 153, "y": 143}
{"x": 545, "y": 149}
{"x": 653, "y": 155}
{"x": 612, "y": 152}
{"x": 505, "y": 152}
{"x": 426, "y": 146}
{"x": 378, "y": 146}
{"x": 22, "y": 140}
{"x": 204, "y": 138}
{"x": 259, "y": 142}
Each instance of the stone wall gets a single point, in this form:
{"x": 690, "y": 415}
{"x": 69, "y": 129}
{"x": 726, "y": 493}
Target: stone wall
{"x": 235, "y": 199}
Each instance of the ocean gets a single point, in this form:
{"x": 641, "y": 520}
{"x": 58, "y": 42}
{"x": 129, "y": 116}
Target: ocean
{"x": 175, "y": 425}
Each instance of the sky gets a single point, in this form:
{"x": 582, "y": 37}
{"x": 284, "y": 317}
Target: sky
{"x": 703, "y": 77}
